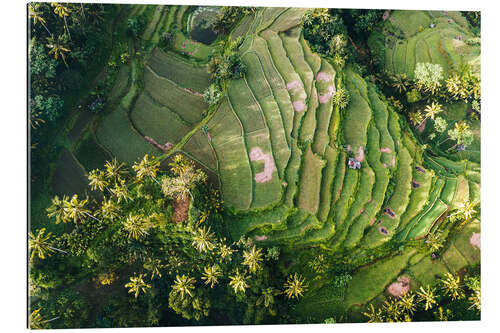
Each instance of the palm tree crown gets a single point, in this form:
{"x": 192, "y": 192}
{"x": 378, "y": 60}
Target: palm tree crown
{"x": 137, "y": 284}
{"x": 114, "y": 170}
{"x": 427, "y": 296}
{"x": 238, "y": 282}
{"x": 39, "y": 245}
{"x": 136, "y": 226}
{"x": 146, "y": 168}
{"x": 202, "y": 240}
{"x": 57, "y": 48}
{"x": 97, "y": 180}
{"x": 211, "y": 275}
{"x": 295, "y": 286}
{"x": 184, "y": 285}
{"x": 252, "y": 259}
{"x": 57, "y": 209}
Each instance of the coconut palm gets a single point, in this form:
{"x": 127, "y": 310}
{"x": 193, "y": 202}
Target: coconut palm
{"x": 374, "y": 316}
{"x": 416, "y": 118}
{"x": 57, "y": 48}
{"x": 36, "y": 15}
{"x": 466, "y": 209}
{"x": 393, "y": 310}
{"x": 452, "y": 286}
{"x": 97, "y": 180}
{"x": 183, "y": 285}
{"x": 35, "y": 118}
{"x": 399, "y": 82}
{"x": 76, "y": 209}
{"x": 36, "y": 320}
{"x": 267, "y": 297}
{"x": 407, "y": 302}
{"x": 114, "y": 170}
{"x": 154, "y": 265}
{"x": 62, "y": 11}
{"x": 137, "y": 284}
{"x": 120, "y": 191}
{"x": 238, "y": 281}
{"x": 434, "y": 241}
{"x": 40, "y": 245}
{"x": 475, "y": 300}
{"x": 57, "y": 209}
{"x": 147, "y": 168}
{"x": 187, "y": 178}
{"x": 211, "y": 275}
{"x": 432, "y": 110}
{"x": 295, "y": 286}
{"x": 136, "y": 226}
{"x": 202, "y": 240}
{"x": 109, "y": 210}
{"x": 252, "y": 259}
{"x": 225, "y": 251}
{"x": 427, "y": 296}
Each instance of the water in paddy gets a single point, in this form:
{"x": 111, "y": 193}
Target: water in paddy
{"x": 200, "y": 28}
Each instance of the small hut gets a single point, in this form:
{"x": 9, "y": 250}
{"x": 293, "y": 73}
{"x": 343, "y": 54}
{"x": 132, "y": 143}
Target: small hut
{"x": 353, "y": 163}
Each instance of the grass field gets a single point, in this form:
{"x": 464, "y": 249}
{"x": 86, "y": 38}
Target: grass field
{"x": 116, "y": 135}
{"x": 310, "y": 181}
{"x": 199, "y": 147}
{"x": 245, "y": 106}
{"x": 187, "y": 105}
{"x": 150, "y": 118}
{"x": 179, "y": 70}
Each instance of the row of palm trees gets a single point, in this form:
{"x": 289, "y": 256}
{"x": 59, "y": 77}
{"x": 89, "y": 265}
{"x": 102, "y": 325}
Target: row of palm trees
{"x": 397, "y": 309}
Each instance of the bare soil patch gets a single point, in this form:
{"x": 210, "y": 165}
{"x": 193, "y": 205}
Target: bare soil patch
{"x": 475, "y": 240}
{"x": 399, "y": 288}
{"x": 299, "y": 106}
{"x": 256, "y": 154}
{"x": 181, "y": 208}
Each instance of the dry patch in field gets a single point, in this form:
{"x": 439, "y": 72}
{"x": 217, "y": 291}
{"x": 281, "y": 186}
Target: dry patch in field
{"x": 256, "y": 154}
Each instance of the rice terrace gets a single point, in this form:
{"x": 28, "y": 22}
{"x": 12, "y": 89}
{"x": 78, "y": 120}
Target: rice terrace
{"x": 252, "y": 165}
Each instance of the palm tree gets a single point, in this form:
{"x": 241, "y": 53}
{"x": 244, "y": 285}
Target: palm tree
{"x": 36, "y": 320}
{"x": 76, "y": 210}
{"x": 267, "y": 297}
{"x": 475, "y": 300}
{"x": 109, "y": 210}
{"x": 147, "y": 168}
{"x": 238, "y": 281}
{"x": 452, "y": 286}
{"x": 466, "y": 209}
{"x": 36, "y": 15}
{"x": 120, "y": 191}
{"x": 399, "y": 82}
{"x": 295, "y": 286}
{"x": 39, "y": 245}
{"x": 97, "y": 180}
{"x": 407, "y": 302}
{"x": 35, "y": 118}
{"x": 211, "y": 275}
{"x": 135, "y": 226}
{"x": 57, "y": 209}
{"x": 374, "y": 316}
{"x": 434, "y": 241}
{"x": 137, "y": 284}
{"x": 225, "y": 251}
{"x": 154, "y": 265}
{"x": 432, "y": 110}
{"x": 57, "y": 48}
{"x": 62, "y": 11}
{"x": 183, "y": 285}
{"x": 416, "y": 118}
{"x": 202, "y": 240}
{"x": 252, "y": 259}
{"x": 392, "y": 309}
{"x": 187, "y": 178}
{"x": 427, "y": 296}
{"x": 114, "y": 170}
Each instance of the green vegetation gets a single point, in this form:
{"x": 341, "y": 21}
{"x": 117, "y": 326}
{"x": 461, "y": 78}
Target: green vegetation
{"x": 301, "y": 168}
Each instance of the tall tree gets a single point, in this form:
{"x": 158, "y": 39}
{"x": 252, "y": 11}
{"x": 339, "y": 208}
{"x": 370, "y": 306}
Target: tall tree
{"x": 183, "y": 285}
{"x": 252, "y": 259}
{"x": 295, "y": 286}
{"x": 136, "y": 226}
{"x": 147, "y": 168}
{"x": 40, "y": 245}
{"x": 211, "y": 275}
{"x": 63, "y": 12}
{"x": 203, "y": 240}
{"x": 57, "y": 209}
{"x": 137, "y": 284}
{"x": 238, "y": 281}
{"x": 36, "y": 15}
{"x": 57, "y": 48}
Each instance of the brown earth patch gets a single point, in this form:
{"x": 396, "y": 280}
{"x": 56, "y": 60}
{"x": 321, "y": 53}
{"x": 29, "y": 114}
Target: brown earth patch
{"x": 181, "y": 208}
{"x": 475, "y": 240}
{"x": 386, "y": 150}
{"x": 256, "y": 154}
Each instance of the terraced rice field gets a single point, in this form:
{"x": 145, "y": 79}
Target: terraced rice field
{"x": 429, "y": 36}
